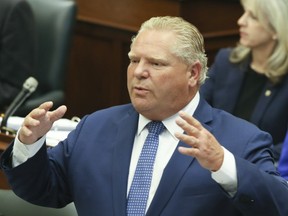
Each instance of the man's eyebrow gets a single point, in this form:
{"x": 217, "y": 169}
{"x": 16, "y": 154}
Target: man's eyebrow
{"x": 130, "y": 54}
{"x": 151, "y": 58}
{"x": 156, "y": 58}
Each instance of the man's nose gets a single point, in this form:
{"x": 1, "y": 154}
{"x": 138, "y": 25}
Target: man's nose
{"x": 141, "y": 70}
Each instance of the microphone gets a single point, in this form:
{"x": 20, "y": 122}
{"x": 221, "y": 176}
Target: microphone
{"x": 29, "y": 87}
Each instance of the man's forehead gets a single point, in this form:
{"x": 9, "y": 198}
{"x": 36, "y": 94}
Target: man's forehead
{"x": 153, "y": 54}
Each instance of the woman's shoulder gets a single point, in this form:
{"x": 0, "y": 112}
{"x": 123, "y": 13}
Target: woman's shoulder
{"x": 224, "y": 52}
{"x": 222, "y": 58}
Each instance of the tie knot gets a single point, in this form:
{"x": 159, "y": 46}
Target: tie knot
{"x": 155, "y": 127}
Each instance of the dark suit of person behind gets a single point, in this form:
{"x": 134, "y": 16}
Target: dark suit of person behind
{"x": 17, "y": 48}
{"x": 223, "y": 86}
{"x": 216, "y": 164}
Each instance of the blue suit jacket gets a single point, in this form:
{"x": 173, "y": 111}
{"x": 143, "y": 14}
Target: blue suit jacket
{"x": 91, "y": 168}
{"x": 223, "y": 86}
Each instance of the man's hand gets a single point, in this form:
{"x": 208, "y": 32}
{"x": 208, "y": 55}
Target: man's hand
{"x": 39, "y": 121}
{"x": 204, "y": 147}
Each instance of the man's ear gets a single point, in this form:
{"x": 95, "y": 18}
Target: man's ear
{"x": 194, "y": 72}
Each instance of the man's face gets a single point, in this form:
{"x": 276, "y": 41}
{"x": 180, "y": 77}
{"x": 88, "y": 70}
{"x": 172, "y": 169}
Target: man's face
{"x": 159, "y": 83}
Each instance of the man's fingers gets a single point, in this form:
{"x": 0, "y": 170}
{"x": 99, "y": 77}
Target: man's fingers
{"x": 193, "y": 152}
{"x": 45, "y": 107}
{"x": 189, "y": 125}
{"x": 189, "y": 140}
{"x": 30, "y": 122}
{"x": 190, "y": 120}
{"x": 58, "y": 113}
{"x": 41, "y": 110}
{"x": 39, "y": 121}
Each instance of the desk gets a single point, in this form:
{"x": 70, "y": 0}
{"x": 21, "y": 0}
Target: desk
{"x": 3, "y": 181}
{"x": 58, "y": 132}
{"x": 5, "y": 140}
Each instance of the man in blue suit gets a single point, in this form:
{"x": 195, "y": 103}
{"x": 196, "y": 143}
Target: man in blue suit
{"x": 208, "y": 162}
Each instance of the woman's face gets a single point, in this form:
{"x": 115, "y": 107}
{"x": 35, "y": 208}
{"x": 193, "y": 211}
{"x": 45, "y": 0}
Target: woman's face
{"x": 253, "y": 33}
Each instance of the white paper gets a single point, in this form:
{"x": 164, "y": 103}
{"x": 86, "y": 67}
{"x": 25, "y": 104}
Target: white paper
{"x": 59, "y": 131}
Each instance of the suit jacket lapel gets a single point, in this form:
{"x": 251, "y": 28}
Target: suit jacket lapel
{"x": 177, "y": 166}
{"x": 232, "y": 88}
{"x": 262, "y": 105}
{"x": 172, "y": 175}
{"x": 121, "y": 160}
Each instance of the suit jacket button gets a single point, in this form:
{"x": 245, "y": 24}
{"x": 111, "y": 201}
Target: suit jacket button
{"x": 268, "y": 93}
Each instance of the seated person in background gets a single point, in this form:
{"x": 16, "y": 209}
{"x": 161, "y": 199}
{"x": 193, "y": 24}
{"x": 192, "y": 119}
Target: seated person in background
{"x": 17, "y": 48}
{"x": 250, "y": 80}
{"x": 283, "y": 162}
{"x": 208, "y": 161}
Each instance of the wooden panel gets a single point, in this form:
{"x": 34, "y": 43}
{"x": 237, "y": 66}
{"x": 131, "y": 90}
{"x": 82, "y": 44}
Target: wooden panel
{"x": 215, "y": 42}
{"x": 125, "y": 14}
{"x": 216, "y": 20}
{"x": 97, "y": 69}
{"x": 212, "y": 15}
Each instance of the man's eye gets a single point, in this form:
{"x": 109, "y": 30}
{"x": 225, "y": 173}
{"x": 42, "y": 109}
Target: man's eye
{"x": 134, "y": 61}
{"x": 156, "y": 64}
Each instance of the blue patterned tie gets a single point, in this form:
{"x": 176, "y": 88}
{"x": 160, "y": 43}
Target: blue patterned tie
{"x": 139, "y": 191}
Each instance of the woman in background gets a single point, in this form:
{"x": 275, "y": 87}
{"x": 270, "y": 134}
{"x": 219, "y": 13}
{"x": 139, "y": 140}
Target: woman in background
{"x": 250, "y": 80}
{"x": 17, "y": 48}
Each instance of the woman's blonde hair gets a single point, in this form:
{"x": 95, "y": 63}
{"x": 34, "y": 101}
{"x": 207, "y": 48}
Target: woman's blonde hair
{"x": 189, "y": 43}
{"x": 273, "y": 15}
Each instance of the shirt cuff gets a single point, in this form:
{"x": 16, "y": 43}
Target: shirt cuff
{"x": 226, "y": 176}
{"x": 22, "y": 152}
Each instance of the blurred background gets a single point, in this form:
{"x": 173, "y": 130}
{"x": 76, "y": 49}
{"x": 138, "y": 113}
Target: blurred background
{"x": 96, "y": 70}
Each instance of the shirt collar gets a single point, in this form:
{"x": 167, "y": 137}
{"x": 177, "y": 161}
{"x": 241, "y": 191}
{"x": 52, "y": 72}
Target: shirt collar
{"x": 169, "y": 122}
